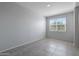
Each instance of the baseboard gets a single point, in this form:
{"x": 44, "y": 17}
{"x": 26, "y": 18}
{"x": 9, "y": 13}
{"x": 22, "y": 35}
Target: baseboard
{"x": 19, "y": 45}
{"x": 61, "y": 39}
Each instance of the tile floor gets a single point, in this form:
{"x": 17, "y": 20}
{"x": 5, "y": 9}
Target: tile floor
{"x": 46, "y": 47}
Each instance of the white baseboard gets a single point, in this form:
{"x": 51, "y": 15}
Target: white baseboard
{"x": 19, "y": 45}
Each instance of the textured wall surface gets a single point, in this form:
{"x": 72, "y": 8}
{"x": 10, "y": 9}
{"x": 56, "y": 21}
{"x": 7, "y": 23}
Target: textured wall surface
{"x": 19, "y": 25}
{"x": 77, "y": 26}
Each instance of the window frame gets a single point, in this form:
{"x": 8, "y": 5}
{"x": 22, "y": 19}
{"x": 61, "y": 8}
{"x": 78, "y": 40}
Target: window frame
{"x": 57, "y": 24}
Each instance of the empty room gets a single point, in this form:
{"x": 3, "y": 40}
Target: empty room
{"x": 39, "y": 28}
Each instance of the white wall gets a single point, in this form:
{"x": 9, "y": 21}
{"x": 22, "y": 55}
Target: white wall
{"x": 69, "y": 34}
{"x": 77, "y": 26}
{"x": 19, "y": 25}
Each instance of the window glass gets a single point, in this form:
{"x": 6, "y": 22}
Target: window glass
{"x": 57, "y": 24}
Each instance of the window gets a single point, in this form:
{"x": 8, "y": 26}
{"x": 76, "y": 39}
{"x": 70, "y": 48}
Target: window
{"x": 58, "y": 24}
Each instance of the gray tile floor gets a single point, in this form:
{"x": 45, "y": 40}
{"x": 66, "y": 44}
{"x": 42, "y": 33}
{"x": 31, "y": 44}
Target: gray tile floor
{"x": 46, "y": 47}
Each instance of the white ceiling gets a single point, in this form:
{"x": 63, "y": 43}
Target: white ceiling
{"x": 55, "y": 8}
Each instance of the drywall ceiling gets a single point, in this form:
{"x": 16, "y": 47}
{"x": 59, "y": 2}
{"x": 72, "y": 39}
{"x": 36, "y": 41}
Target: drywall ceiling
{"x": 55, "y": 7}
